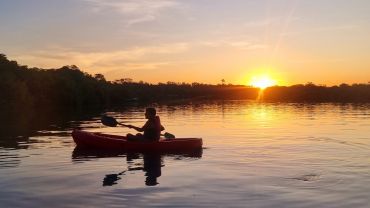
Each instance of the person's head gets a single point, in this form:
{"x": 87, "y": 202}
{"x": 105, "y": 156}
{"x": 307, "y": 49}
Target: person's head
{"x": 150, "y": 113}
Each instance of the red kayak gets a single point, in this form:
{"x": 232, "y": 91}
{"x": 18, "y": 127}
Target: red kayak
{"x": 106, "y": 141}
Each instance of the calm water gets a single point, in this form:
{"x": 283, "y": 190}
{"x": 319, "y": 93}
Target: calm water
{"x": 255, "y": 155}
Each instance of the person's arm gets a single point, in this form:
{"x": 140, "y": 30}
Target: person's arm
{"x": 136, "y": 128}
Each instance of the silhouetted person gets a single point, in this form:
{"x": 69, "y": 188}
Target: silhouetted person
{"x": 151, "y": 129}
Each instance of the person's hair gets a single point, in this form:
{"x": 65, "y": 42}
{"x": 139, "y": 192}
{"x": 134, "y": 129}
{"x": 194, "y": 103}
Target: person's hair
{"x": 151, "y": 111}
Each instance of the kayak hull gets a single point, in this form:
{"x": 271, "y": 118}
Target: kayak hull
{"x": 85, "y": 139}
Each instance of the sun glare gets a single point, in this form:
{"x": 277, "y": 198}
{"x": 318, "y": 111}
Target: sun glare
{"x": 262, "y": 81}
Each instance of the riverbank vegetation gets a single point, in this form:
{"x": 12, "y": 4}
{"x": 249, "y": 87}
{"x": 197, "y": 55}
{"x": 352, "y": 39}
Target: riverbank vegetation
{"x": 68, "y": 87}
{"x": 310, "y": 92}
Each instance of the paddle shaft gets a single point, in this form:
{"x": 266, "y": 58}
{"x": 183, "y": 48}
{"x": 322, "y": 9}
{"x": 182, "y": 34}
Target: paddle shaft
{"x": 110, "y": 121}
{"x": 128, "y": 126}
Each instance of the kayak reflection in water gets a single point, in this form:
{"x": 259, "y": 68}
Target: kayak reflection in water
{"x": 152, "y": 167}
{"x": 150, "y": 162}
{"x": 152, "y": 128}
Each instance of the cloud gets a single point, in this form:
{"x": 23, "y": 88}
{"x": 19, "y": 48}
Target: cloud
{"x": 119, "y": 71}
{"x": 324, "y": 29}
{"x": 247, "y": 45}
{"x": 260, "y": 23}
{"x": 238, "y": 44}
{"x": 135, "y": 11}
{"x": 101, "y": 62}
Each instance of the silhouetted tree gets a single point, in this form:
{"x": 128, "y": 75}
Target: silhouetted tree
{"x": 99, "y": 77}
{"x": 23, "y": 88}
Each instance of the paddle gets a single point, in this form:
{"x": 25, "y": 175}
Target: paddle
{"x": 112, "y": 122}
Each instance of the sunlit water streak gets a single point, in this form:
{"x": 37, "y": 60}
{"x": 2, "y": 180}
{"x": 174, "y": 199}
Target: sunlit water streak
{"x": 255, "y": 155}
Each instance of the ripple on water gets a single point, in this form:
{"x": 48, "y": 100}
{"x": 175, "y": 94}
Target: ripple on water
{"x": 10, "y": 159}
{"x": 255, "y": 155}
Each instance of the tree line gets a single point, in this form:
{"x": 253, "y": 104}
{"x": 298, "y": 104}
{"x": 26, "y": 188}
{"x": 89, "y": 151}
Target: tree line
{"x": 318, "y": 93}
{"x": 68, "y": 87}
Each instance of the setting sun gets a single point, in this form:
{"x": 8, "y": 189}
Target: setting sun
{"x": 262, "y": 81}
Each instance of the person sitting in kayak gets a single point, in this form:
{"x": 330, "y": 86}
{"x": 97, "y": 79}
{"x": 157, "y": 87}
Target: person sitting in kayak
{"x": 152, "y": 128}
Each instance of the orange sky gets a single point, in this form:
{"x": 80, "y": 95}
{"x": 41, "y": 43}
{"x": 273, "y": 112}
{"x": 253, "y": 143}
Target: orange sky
{"x": 291, "y": 41}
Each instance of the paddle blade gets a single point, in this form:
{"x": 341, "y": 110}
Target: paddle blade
{"x": 169, "y": 135}
{"x": 109, "y": 121}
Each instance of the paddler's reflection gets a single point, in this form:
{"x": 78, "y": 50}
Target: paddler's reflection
{"x": 152, "y": 168}
{"x": 111, "y": 179}
{"x": 151, "y": 165}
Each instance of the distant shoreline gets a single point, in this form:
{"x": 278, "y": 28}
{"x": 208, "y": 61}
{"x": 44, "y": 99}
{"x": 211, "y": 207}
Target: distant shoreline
{"x": 68, "y": 88}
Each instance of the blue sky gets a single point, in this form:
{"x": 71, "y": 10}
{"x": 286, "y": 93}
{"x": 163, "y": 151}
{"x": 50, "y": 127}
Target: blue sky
{"x": 294, "y": 41}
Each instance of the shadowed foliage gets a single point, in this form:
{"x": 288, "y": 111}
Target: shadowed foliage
{"x": 315, "y": 93}
{"x": 68, "y": 88}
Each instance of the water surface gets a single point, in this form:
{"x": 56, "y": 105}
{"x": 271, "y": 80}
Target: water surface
{"x": 255, "y": 155}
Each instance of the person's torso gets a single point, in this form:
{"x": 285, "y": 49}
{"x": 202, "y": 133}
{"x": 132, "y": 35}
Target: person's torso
{"x": 152, "y": 130}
